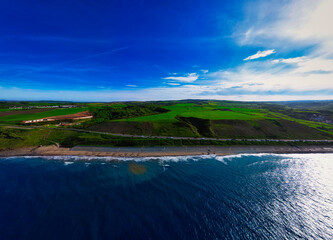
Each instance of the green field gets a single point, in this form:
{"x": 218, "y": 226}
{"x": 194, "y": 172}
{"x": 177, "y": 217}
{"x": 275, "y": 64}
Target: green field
{"x": 55, "y": 112}
{"x": 6, "y": 110}
{"x": 221, "y": 119}
{"x": 190, "y": 118}
{"x": 207, "y": 111}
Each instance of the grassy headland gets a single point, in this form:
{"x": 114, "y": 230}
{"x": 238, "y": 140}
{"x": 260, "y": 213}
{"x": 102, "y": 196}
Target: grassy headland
{"x": 216, "y": 119}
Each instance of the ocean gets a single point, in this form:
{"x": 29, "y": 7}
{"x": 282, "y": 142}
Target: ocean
{"x": 248, "y": 196}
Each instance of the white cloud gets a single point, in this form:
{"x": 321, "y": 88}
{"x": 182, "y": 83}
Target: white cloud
{"x": 131, "y": 85}
{"x": 161, "y": 93}
{"x": 309, "y": 21}
{"x": 288, "y": 24}
{"x": 173, "y": 84}
{"x": 260, "y": 54}
{"x": 204, "y": 71}
{"x": 310, "y": 74}
{"x": 290, "y": 60}
{"x": 135, "y": 94}
{"x": 308, "y": 78}
{"x": 309, "y": 64}
{"x": 190, "y": 77}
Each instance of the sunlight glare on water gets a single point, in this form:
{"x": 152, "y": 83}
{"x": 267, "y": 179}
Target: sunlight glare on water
{"x": 248, "y": 196}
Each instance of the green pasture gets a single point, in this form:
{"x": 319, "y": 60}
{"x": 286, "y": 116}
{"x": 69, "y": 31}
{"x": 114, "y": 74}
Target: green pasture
{"x": 6, "y": 110}
{"x": 324, "y": 127}
{"x": 206, "y": 111}
{"x": 51, "y": 113}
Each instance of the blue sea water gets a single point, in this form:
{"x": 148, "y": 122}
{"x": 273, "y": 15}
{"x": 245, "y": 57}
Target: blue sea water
{"x": 261, "y": 196}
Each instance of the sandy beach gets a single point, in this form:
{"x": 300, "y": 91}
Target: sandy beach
{"x": 161, "y": 151}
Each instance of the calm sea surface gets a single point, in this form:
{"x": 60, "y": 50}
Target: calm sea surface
{"x": 260, "y": 196}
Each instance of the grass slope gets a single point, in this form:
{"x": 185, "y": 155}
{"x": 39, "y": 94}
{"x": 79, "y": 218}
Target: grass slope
{"x": 212, "y": 119}
{"x": 18, "y": 138}
{"x": 208, "y": 111}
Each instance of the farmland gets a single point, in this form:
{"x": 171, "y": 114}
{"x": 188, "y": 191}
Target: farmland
{"x": 189, "y": 119}
{"x": 209, "y": 111}
{"x": 39, "y": 113}
{"x": 218, "y": 119}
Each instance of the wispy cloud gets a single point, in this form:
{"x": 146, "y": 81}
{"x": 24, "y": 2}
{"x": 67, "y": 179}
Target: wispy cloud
{"x": 74, "y": 60}
{"x": 289, "y": 60}
{"x": 56, "y": 39}
{"x": 93, "y": 55}
{"x": 312, "y": 74}
{"x": 131, "y": 85}
{"x": 162, "y": 93}
{"x": 288, "y": 24}
{"x": 173, "y": 84}
{"x": 296, "y": 26}
{"x": 260, "y": 54}
{"x": 188, "y": 78}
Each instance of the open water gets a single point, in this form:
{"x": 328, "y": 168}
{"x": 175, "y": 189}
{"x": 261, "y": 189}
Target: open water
{"x": 260, "y": 196}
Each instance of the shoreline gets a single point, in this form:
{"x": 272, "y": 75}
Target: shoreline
{"x": 133, "y": 152}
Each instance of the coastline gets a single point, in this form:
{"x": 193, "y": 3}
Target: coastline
{"x": 134, "y": 152}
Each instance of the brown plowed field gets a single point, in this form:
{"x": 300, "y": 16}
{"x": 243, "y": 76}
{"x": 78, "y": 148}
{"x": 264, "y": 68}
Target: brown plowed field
{"x": 70, "y": 116}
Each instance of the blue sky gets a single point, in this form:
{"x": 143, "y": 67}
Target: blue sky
{"x": 155, "y": 50}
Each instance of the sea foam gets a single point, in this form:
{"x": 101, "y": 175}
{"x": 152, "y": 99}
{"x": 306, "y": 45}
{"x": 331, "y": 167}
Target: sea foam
{"x": 69, "y": 159}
